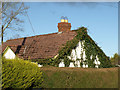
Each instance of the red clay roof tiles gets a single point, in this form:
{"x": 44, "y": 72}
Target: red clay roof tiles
{"x": 39, "y": 47}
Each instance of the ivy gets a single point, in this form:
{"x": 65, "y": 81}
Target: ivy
{"x": 66, "y": 61}
{"x": 90, "y": 48}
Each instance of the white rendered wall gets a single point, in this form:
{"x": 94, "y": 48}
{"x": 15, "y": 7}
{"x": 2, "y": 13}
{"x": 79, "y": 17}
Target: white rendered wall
{"x": 77, "y": 53}
{"x": 61, "y": 64}
{"x": 97, "y": 62}
{"x": 71, "y": 64}
{"x": 9, "y": 54}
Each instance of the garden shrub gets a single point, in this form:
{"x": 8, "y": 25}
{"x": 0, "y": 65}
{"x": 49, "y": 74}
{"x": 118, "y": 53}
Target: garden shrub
{"x": 20, "y": 74}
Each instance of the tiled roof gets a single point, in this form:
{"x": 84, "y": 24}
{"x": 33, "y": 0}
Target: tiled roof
{"x": 41, "y": 46}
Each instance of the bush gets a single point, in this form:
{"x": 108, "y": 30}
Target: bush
{"x": 115, "y": 60}
{"x": 20, "y": 74}
{"x": 79, "y": 78}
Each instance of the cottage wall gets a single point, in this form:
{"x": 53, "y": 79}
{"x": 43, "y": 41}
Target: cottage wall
{"x": 61, "y": 64}
{"x": 79, "y": 53}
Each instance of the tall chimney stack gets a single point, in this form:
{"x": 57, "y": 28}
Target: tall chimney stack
{"x": 64, "y": 26}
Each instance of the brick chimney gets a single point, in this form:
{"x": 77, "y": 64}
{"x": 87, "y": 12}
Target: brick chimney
{"x": 64, "y": 26}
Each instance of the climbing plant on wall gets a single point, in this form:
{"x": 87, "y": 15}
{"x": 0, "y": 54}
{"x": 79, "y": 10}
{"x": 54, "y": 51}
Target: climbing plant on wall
{"x": 90, "y": 47}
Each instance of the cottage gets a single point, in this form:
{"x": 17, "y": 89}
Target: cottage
{"x": 48, "y": 46}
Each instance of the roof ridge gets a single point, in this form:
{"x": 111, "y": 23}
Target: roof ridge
{"x": 38, "y": 35}
{"x": 32, "y": 36}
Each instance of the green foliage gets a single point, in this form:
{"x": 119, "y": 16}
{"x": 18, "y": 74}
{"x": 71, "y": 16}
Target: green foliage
{"x": 42, "y": 61}
{"x": 89, "y": 46}
{"x": 66, "y": 61}
{"x": 55, "y": 77}
{"x": 20, "y": 74}
{"x": 115, "y": 59}
{"x": 48, "y": 61}
{"x": 66, "y": 50}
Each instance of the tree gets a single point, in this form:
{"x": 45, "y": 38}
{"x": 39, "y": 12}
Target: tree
{"x": 11, "y": 19}
{"x": 115, "y": 59}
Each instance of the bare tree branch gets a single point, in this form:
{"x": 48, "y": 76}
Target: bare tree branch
{"x": 12, "y": 17}
{"x": 10, "y": 12}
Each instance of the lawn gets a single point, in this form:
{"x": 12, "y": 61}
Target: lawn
{"x": 66, "y": 77}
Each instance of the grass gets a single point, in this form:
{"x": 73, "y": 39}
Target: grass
{"x": 66, "y": 77}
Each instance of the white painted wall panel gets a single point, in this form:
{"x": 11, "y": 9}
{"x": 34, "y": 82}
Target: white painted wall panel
{"x": 9, "y": 54}
{"x": 76, "y": 54}
{"x": 78, "y": 50}
{"x": 71, "y": 64}
{"x": 61, "y": 64}
{"x": 77, "y": 63}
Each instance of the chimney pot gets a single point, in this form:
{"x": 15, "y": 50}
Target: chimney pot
{"x": 64, "y": 26}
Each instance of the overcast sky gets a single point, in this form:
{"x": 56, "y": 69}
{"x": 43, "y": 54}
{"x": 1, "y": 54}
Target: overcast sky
{"x": 100, "y": 18}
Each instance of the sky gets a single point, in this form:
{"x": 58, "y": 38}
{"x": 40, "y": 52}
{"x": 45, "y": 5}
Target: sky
{"x": 100, "y": 18}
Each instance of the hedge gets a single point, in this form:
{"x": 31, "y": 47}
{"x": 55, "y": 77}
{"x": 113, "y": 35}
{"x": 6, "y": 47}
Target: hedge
{"x": 20, "y": 74}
